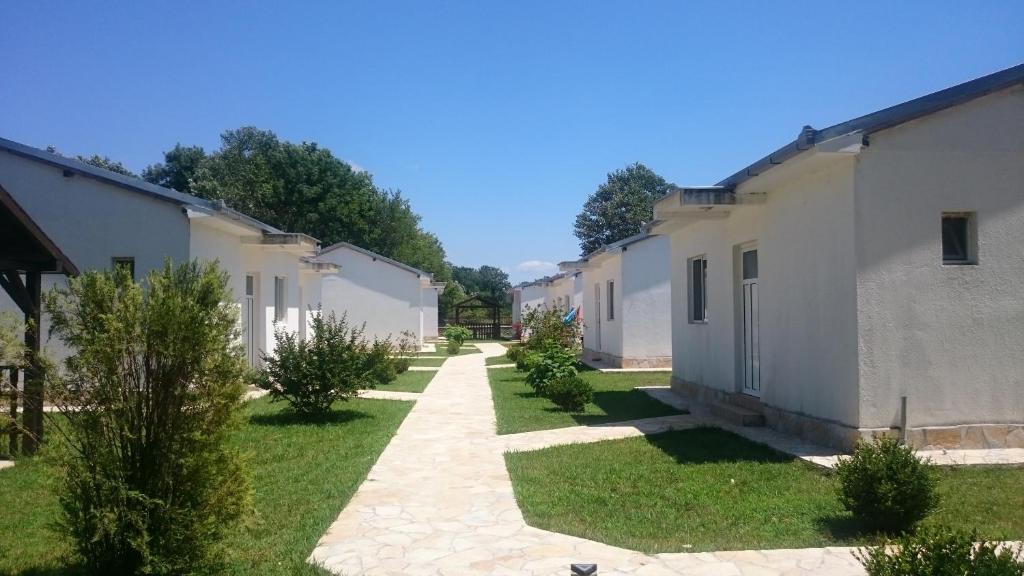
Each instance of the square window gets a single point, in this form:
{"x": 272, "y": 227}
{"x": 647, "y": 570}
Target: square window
{"x": 958, "y": 237}
{"x": 698, "y": 292}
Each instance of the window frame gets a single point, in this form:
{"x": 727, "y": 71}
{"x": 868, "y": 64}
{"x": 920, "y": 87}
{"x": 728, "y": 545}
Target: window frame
{"x": 610, "y": 294}
{"x": 122, "y": 261}
{"x": 280, "y": 309}
{"x": 692, "y": 290}
{"x": 970, "y": 241}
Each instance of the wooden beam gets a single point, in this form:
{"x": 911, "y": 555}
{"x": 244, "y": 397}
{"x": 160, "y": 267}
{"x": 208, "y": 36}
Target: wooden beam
{"x": 32, "y": 414}
{"x": 12, "y": 284}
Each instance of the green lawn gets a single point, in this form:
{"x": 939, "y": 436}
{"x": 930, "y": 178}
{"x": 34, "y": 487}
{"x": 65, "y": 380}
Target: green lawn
{"x": 411, "y": 381}
{"x": 303, "y": 475}
{"x": 707, "y": 489}
{"x": 498, "y": 360}
{"x": 520, "y": 410}
{"x": 430, "y": 362}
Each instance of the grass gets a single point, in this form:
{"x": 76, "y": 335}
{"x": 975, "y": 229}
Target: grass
{"x": 428, "y": 362}
{"x": 707, "y": 489}
{"x": 494, "y": 360}
{"x": 303, "y": 475}
{"x": 411, "y": 381}
{"x": 520, "y": 410}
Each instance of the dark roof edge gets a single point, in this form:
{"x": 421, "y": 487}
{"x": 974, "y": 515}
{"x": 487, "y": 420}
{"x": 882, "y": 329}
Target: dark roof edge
{"x": 882, "y": 119}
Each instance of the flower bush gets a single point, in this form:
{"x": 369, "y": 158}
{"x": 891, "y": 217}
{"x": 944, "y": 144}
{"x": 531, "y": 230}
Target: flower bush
{"x": 552, "y": 364}
{"x": 543, "y": 326}
{"x": 456, "y": 336}
{"x": 886, "y": 486}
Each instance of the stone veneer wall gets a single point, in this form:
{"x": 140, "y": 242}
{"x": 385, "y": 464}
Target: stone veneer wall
{"x": 612, "y": 361}
{"x": 842, "y": 437}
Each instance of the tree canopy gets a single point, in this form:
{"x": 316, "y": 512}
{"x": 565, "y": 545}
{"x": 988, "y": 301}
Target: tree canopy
{"x": 302, "y": 188}
{"x": 620, "y": 207}
{"x": 485, "y": 280}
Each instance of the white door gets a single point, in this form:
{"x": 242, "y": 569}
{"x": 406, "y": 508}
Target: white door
{"x": 249, "y": 315}
{"x": 751, "y": 344}
{"x": 597, "y": 316}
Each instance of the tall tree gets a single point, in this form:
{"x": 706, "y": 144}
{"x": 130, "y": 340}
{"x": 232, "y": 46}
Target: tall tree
{"x": 178, "y": 169}
{"x": 620, "y": 207}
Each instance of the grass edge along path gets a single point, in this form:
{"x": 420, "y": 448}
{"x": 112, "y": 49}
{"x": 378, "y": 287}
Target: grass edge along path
{"x": 707, "y": 489}
{"x": 518, "y": 409}
{"x": 303, "y": 476}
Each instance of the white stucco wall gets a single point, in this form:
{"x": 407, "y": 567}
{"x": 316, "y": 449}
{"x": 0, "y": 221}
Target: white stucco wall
{"x": 950, "y": 338}
{"x": 534, "y": 296}
{"x": 599, "y": 273}
{"x": 384, "y": 297}
{"x": 565, "y": 290}
{"x": 646, "y": 299}
{"x": 430, "y": 328}
{"x": 804, "y": 235}
{"x": 92, "y": 222}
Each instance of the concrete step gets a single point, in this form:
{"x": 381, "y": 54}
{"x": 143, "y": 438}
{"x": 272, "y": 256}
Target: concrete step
{"x": 752, "y": 403}
{"x": 737, "y": 415}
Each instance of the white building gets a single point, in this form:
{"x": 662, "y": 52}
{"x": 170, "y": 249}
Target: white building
{"x": 873, "y": 261}
{"x": 100, "y": 219}
{"x": 390, "y": 298}
{"x": 626, "y": 303}
{"x": 431, "y": 294}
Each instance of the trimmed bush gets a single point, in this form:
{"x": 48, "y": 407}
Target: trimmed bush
{"x": 150, "y": 396}
{"x": 334, "y": 363}
{"x": 552, "y": 364}
{"x": 942, "y": 552}
{"x": 886, "y": 486}
{"x": 570, "y": 393}
{"x": 456, "y": 336}
{"x": 515, "y": 353}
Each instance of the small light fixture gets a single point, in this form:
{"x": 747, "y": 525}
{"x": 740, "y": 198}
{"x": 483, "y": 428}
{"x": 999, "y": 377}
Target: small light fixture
{"x": 583, "y": 569}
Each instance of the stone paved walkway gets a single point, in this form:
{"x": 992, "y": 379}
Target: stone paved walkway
{"x": 439, "y": 501}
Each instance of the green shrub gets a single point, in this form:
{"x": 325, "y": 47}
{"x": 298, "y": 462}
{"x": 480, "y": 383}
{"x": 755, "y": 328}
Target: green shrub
{"x": 553, "y": 363}
{"x": 886, "y": 486}
{"x": 515, "y": 353}
{"x": 570, "y": 393}
{"x": 149, "y": 484}
{"x": 405, "y": 351}
{"x": 543, "y": 327}
{"x": 334, "y": 363}
{"x": 12, "y": 353}
{"x": 942, "y": 552}
{"x": 527, "y": 360}
{"x": 456, "y": 336}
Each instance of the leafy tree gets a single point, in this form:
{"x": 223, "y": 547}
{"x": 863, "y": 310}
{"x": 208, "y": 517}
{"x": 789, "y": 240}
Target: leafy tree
{"x": 107, "y": 164}
{"x": 486, "y": 280}
{"x": 178, "y": 169}
{"x": 452, "y": 295}
{"x": 620, "y": 207}
{"x": 149, "y": 400}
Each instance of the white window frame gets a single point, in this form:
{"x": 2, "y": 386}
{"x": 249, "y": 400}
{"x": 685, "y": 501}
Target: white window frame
{"x": 692, "y": 290}
{"x": 610, "y": 293}
{"x": 280, "y": 308}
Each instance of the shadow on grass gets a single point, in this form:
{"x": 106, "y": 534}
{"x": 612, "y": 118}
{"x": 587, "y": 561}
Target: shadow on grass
{"x": 68, "y": 570}
{"x": 711, "y": 445}
{"x": 291, "y": 418}
{"x": 846, "y": 528}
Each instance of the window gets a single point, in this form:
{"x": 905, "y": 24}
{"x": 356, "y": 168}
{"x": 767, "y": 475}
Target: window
{"x": 611, "y": 300}
{"x": 958, "y": 238}
{"x": 698, "y": 271}
{"x": 126, "y": 262}
{"x": 279, "y": 309}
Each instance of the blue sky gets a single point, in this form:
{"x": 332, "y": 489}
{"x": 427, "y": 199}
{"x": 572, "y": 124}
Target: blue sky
{"x": 497, "y": 119}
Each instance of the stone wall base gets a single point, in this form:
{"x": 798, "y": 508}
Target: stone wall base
{"x": 607, "y": 360}
{"x": 843, "y": 437}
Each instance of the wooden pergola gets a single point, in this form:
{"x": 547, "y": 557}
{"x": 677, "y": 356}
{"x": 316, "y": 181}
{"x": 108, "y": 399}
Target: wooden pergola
{"x": 480, "y": 329}
{"x": 26, "y": 253}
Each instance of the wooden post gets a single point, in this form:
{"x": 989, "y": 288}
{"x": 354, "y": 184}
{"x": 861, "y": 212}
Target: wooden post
{"x": 32, "y": 413}
{"x": 13, "y": 432}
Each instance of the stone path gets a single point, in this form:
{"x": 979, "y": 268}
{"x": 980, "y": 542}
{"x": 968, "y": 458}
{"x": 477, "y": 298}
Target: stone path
{"x": 439, "y": 501}
{"x": 6, "y": 464}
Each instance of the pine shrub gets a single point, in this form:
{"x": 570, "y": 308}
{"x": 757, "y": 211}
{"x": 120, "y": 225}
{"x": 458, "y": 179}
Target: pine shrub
{"x": 886, "y": 486}
{"x": 151, "y": 394}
